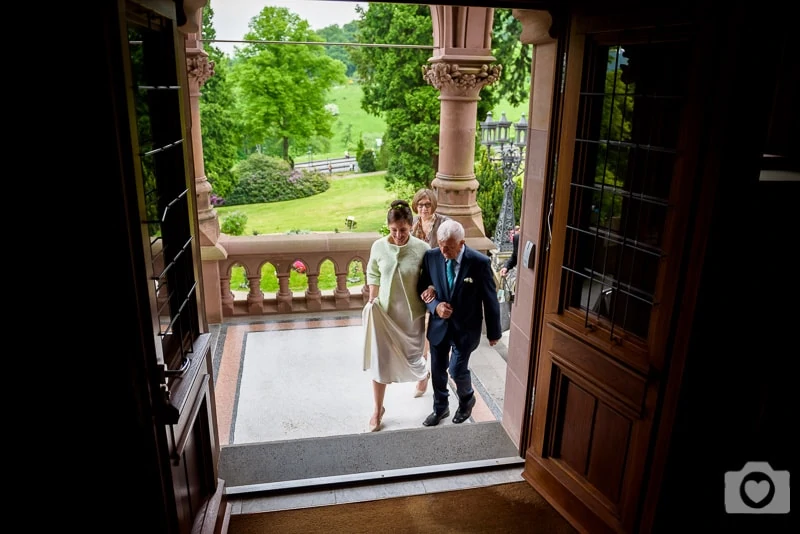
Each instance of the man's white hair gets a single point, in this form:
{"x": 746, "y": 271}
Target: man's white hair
{"x": 450, "y": 228}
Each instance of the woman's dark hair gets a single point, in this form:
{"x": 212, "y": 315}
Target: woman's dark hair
{"x": 400, "y": 211}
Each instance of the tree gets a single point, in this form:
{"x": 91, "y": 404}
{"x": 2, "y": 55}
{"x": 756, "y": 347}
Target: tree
{"x": 515, "y": 57}
{"x": 219, "y": 125}
{"x": 393, "y": 87}
{"x": 282, "y": 88}
{"x": 344, "y": 34}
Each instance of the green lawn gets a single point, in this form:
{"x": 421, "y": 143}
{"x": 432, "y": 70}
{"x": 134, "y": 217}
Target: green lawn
{"x": 351, "y": 117}
{"x": 362, "y": 196}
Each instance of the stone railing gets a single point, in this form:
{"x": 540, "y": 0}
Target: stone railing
{"x": 281, "y": 251}
{"x": 252, "y": 253}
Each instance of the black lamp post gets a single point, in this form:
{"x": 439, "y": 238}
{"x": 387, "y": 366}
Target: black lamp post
{"x": 508, "y": 155}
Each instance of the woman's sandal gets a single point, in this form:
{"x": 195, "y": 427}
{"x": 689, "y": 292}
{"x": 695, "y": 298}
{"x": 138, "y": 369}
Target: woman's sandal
{"x": 377, "y": 425}
{"x": 420, "y": 391}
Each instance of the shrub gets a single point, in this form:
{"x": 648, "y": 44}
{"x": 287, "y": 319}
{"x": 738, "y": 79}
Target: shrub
{"x": 234, "y": 223}
{"x": 360, "y": 147}
{"x": 382, "y": 162}
{"x": 267, "y": 179}
{"x": 366, "y": 161}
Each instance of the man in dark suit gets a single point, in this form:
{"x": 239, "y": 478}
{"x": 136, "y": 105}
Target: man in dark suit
{"x": 457, "y": 312}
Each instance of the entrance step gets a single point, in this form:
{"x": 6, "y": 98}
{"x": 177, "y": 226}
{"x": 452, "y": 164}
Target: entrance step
{"x": 308, "y": 462}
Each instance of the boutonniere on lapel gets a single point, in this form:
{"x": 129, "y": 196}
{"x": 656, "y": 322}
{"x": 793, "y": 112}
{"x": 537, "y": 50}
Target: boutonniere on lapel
{"x": 468, "y": 280}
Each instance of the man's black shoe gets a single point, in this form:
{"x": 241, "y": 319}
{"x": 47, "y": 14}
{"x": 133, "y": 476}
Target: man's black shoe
{"x": 462, "y": 414}
{"x": 434, "y": 418}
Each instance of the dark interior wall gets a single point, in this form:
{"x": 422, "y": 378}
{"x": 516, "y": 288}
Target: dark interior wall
{"x": 735, "y": 397}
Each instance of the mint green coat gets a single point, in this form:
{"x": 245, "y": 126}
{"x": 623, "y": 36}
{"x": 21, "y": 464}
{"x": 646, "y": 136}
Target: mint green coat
{"x": 385, "y": 259}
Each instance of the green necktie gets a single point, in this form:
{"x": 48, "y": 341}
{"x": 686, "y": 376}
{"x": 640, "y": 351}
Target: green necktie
{"x": 451, "y": 273}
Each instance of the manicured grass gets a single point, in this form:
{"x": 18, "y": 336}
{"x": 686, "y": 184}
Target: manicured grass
{"x": 368, "y": 127}
{"x": 362, "y": 196}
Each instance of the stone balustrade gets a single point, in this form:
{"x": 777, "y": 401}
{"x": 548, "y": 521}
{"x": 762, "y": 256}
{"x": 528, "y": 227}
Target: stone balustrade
{"x": 252, "y": 253}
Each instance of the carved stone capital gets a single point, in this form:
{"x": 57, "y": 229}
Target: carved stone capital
{"x": 463, "y": 80}
{"x": 199, "y": 67}
{"x": 536, "y": 25}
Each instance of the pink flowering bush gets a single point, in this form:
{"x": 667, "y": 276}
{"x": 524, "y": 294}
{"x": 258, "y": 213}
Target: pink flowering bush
{"x": 299, "y": 267}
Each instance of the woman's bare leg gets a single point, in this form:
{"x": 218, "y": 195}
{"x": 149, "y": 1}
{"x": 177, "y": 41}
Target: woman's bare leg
{"x": 378, "y": 393}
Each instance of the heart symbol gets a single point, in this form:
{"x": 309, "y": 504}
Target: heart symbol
{"x": 756, "y": 490}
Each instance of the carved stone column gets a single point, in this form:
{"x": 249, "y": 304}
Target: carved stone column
{"x": 341, "y": 294}
{"x": 199, "y": 69}
{"x": 459, "y": 69}
{"x": 284, "y": 294}
{"x": 313, "y": 294}
{"x": 255, "y": 297}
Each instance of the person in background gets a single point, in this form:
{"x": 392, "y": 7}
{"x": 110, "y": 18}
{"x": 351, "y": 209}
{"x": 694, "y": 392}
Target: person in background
{"x": 426, "y": 223}
{"x": 394, "y": 317}
{"x": 465, "y": 292}
{"x": 511, "y": 262}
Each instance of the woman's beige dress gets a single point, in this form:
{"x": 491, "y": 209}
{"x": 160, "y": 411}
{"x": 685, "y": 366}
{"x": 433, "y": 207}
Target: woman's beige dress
{"x": 394, "y": 324}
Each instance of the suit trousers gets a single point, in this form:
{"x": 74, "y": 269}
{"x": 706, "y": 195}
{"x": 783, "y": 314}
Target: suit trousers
{"x": 447, "y": 357}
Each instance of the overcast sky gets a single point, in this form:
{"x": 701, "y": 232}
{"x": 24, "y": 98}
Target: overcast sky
{"x": 232, "y": 16}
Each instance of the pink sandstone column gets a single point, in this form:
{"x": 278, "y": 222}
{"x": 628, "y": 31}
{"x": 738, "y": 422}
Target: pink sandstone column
{"x": 459, "y": 69}
{"x": 199, "y": 70}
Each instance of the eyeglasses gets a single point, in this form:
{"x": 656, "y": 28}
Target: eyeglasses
{"x": 424, "y": 205}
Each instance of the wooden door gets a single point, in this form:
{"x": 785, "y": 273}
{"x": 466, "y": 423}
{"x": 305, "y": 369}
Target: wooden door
{"x": 623, "y": 185}
{"x": 175, "y": 359}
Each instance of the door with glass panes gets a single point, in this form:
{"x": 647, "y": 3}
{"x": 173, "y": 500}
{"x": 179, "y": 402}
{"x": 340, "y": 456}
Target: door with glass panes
{"x": 622, "y": 187}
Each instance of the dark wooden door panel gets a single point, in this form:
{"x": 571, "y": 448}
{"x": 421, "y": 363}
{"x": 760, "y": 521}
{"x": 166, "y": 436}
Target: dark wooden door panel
{"x": 591, "y": 434}
{"x": 606, "y": 376}
{"x": 620, "y": 193}
{"x": 610, "y": 439}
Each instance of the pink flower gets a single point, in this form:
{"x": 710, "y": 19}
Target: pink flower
{"x": 299, "y": 266}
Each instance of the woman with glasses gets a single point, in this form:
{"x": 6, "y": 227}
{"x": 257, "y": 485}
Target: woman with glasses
{"x": 426, "y": 221}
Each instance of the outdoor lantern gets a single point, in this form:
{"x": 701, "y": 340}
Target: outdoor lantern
{"x": 488, "y": 130}
{"x": 502, "y": 130}
{"x": 508, "y": 158}
{"x": 521, "y": 132}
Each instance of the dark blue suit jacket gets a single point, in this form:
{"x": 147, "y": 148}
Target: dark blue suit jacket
{"x": 474, "y": 293}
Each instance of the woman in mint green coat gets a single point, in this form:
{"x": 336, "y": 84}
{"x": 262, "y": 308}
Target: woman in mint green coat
{"x": 394, "y": 317}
